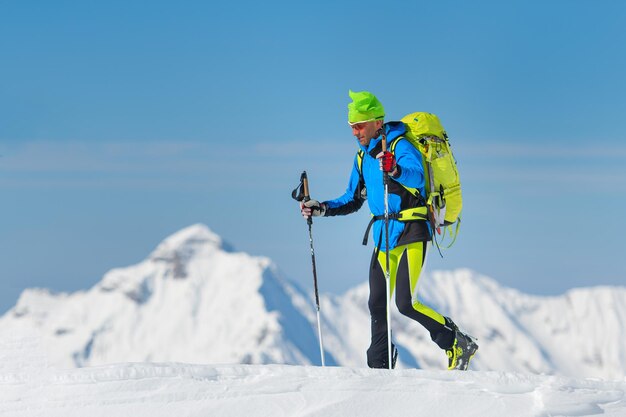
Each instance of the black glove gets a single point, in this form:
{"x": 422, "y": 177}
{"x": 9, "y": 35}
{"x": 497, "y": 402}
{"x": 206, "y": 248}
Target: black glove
{"x": 312, "y": 208}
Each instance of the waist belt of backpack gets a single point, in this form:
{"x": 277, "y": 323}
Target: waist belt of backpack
{"x": 409, "y": 215}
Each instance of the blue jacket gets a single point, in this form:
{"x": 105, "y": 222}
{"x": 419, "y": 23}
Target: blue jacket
{"x": 411, "y": 175}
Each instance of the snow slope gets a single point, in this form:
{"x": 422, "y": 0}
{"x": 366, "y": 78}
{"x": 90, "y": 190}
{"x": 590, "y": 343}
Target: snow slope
{"x": 196, "y": 300}
{"x": 186, "y": 390}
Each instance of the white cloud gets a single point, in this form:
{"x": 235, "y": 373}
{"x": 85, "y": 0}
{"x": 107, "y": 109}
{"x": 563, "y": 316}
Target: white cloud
{"x": 595, "y": 149}
{"x": 193, "y": 164}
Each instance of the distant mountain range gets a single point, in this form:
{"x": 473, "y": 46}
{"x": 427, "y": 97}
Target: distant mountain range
{"x": 197, "y": 300}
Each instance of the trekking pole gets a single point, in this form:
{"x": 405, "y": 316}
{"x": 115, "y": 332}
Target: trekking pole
{"x": 387, "y": 274}
{"x": 305, "y": 196}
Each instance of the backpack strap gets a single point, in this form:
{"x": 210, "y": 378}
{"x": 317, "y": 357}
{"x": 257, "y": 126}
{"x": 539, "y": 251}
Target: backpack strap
{"x": 359, "y": 161}
{"x": 414, "y": 191}
{"x": 392, "y": 146}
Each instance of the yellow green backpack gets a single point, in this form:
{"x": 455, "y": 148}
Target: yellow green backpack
{"x": 443, "y": 185}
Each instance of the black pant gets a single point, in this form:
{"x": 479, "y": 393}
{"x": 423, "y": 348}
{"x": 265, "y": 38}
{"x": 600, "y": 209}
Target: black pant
{"x": 405, "y": 265}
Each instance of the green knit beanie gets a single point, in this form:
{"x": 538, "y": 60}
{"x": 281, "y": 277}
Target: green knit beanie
{"x": 365, "y": 107}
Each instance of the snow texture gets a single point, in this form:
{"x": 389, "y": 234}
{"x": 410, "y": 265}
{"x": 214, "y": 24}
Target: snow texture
{"x": 186, "y": 390}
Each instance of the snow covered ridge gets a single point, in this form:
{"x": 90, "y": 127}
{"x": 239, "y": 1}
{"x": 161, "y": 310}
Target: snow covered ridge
{"x": 166, "y": 389}
{"x": 195, "y": 299}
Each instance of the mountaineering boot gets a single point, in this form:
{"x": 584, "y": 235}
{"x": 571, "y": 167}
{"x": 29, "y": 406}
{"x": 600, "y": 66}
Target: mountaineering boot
{"x": 462, "y": 350}
{"x": 380, "y": 359}
{"x": 378, "y": 352}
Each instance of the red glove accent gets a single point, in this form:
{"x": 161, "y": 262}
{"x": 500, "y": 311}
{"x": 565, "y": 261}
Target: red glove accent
{"x": 388, "y": 162}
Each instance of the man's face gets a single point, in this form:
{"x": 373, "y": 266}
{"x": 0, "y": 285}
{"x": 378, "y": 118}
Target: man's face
{"x": 365, "y": 131}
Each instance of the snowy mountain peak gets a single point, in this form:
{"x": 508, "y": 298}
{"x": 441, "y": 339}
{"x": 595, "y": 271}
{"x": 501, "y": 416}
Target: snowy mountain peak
{"x": 188, "y": 242}
{"x": 173, "y": 258}
{"x": 191, "y": 300}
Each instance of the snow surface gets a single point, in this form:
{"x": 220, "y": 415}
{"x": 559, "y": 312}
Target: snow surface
{"x": 128, "y": 345}
{"x": 29, "y": 388}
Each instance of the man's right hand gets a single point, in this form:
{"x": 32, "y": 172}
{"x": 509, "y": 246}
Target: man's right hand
{"x": 312, "y": 208}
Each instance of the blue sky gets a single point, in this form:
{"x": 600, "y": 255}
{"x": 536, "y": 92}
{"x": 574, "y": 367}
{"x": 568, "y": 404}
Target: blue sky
{"x": 122, "y": 122}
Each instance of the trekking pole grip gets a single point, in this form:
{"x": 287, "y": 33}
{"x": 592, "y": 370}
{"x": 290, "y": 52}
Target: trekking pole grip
{"x": 305, "y": 187}
{"x": 383, "y": 142}
{"x": 306, "y": 194}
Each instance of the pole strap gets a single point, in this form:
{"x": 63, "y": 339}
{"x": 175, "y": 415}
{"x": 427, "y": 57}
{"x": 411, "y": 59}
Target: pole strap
{"x": 298, "y": 192}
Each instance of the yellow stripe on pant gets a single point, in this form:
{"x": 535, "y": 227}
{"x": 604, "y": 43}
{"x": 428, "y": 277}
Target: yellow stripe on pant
{"x": 415, "y": 259}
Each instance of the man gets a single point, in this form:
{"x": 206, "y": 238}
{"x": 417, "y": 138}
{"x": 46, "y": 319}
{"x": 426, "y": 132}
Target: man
{"x": 407, "y": 238}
